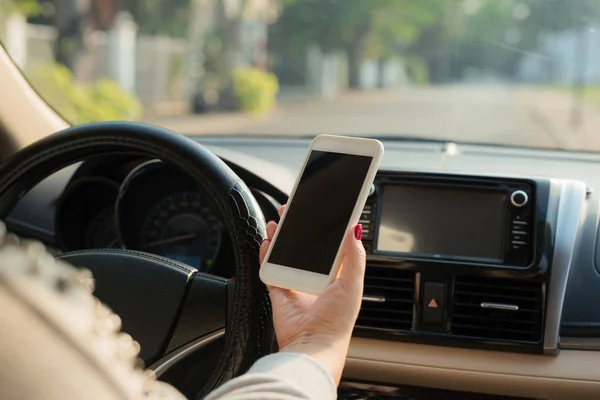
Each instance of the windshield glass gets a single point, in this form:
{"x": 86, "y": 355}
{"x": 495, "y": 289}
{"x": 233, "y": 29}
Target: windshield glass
{"x": 515, "y": 72}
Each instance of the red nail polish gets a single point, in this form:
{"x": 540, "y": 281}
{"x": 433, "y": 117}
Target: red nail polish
{"x": 358, "y": 232}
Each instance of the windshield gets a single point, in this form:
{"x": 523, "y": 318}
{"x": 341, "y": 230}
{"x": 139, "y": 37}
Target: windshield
{"x": 513, "y": 72}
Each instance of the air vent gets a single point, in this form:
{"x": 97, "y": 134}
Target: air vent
{"x": 496, "y": 308}
{"x": 388, "y": 299}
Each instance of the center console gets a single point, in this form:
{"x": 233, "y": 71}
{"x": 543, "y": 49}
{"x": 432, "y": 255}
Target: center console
{"x": 460, "y": 260}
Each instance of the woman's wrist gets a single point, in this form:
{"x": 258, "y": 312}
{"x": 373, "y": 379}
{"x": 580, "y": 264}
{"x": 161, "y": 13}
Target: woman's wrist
{"x": 330, "y": 354}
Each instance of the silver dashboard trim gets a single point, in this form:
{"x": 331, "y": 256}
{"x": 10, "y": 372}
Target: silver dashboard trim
{"x": 165, "y": 363}
{"x": 580, "y": 343}
{"x": 499, "y": 306}
{"x": 373, "y": 299}
{"x": 571, "y": 209}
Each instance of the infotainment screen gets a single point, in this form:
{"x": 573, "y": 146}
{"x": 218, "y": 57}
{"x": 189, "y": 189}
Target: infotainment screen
{"x": 442, "y": 222}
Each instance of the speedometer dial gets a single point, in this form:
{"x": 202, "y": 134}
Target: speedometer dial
{"x": 183, "y": 228}
{"x": 102, "y": 232}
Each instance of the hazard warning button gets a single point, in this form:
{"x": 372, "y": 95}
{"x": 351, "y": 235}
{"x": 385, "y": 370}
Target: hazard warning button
{"x": 434, "y": 296}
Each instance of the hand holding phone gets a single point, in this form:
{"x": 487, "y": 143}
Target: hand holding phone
{"x": 321, "y": 326}
{"x": 326, "y": 201}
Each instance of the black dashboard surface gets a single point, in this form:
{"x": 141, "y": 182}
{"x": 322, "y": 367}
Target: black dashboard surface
{"x": 278, "y": 160}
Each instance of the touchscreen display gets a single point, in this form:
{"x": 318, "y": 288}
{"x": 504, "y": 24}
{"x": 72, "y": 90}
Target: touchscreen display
{"x": 320, "y": 210}
{"x": 439, "y": 222}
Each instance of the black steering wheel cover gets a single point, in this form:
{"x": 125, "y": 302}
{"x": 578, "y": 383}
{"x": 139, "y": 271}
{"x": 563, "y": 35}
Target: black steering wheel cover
{"x": 249, "y": 328}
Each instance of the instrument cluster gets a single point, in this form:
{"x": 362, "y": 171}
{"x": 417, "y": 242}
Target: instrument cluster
{"x": 155, "y": 208}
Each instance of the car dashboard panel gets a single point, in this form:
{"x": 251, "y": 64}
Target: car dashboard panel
{"x": 467, "y": 260}
{"x": 143, "y": 205}
{"x": 497, "y": 301}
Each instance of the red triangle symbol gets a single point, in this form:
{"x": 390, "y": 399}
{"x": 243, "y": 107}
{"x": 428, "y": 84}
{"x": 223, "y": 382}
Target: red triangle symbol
{"x": 432, "y": 304}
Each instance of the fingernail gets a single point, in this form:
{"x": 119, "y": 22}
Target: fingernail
{"x": 358, "y": 232}
{"x": 273, "y": 221}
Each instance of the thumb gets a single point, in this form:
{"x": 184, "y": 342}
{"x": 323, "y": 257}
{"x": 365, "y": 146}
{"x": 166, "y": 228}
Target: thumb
{"x": 354, "y": 261}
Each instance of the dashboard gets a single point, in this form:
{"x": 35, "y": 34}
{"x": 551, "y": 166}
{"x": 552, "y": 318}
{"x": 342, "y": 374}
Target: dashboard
{"x": 144, "y": 205}
{"x": 467, "y": 260}
{"x": 499, "y": 299}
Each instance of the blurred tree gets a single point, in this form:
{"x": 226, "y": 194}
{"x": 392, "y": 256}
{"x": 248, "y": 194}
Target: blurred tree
{"x": 71, "y": 18}
{"x": 223, "y": 54}
{"x": 25, "y": 7}
{"x": 155, "y": 17}
{"x": 493, "y": 35}
{"x": 363, "y": 28}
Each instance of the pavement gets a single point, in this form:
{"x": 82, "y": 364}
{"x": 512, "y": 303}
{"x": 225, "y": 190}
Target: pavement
{"x": 512, "y": 115}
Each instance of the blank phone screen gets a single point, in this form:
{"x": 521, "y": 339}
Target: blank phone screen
{"x": 320, "y": 211}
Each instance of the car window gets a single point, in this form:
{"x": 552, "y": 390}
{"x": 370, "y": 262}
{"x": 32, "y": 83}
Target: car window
{"x": 513, "y": 72}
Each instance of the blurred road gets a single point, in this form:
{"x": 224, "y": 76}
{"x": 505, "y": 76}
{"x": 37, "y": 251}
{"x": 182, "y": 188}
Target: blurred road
{"x": 493, "y": 114}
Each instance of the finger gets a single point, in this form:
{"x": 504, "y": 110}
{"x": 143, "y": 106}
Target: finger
{"x": 352, "y": 273}
{"x": 263, "y": 250}
{"x": 281, "y": 210}
{"x": 271, "y": 228}
{"x": 278, "y": 293}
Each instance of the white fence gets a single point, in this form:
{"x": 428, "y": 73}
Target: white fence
{"x": 154, "y": 68}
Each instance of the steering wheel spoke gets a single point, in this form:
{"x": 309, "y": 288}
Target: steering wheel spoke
{"x": 203, "y": 312}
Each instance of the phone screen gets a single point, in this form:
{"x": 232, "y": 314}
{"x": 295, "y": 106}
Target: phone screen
{"x": 320, "y": 211}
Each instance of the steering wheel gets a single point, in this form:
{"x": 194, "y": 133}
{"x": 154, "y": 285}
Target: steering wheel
{"x": 165, "y": 305}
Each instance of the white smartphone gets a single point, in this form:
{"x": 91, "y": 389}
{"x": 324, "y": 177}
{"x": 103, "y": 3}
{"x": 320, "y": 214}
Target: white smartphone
{"x": 327, "y": 199}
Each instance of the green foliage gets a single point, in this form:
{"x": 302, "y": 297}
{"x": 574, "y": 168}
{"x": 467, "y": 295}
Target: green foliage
{"x": 215, "y": 77}
{"x": 447, "y": 35}
{"x": 255, "y": 90}
{"x": 102, "y": 101}
{"x": 417, "y": 70}
{"x": 339, "y": 24}
{"x": 156, "y": 17}
{"x": 495, "y": 35}
{"x": 28, "y": 8}
{"x": 364, "y": 29}
{"x": 481, "y": 43}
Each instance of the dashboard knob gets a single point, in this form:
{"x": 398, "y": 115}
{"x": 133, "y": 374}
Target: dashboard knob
{"x": 519, "y": 198}
{"x": 372, "y": 190}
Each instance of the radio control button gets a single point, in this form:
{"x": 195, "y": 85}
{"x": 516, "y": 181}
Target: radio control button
{"x": 519, "y": 198}
{"x": 367, "y": 234}
{"x": 372, "y": 190}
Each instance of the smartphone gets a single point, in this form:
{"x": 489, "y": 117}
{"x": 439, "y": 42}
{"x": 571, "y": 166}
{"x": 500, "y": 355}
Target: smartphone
{"x": 327, "y": 199}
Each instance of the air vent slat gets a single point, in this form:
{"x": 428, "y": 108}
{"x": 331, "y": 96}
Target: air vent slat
{"x": 383, "y": 325}
{"x": 388, "y": 287}
{"x": 399, "y": 281}
{"x": 487, "y": 296}
{"x": 478, "y": 307}
{"x": 496, "y": 329}
{"x": 366, "y": 310}
{"x": 487, "y": 287}
{"x": 397, "y": 302}
{"x": 378, "y": 319}
{"x": 479, "y": 281}
{"x": 396, "y": 312}
{"x": 518, "y": 325}
{"x": 470, "y": 319}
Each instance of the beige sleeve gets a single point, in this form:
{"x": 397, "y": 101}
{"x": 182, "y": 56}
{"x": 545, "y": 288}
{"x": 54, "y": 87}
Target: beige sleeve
{"x": 281, "y": 376}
